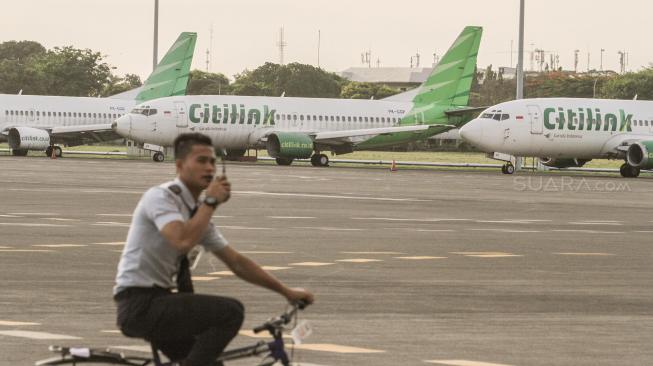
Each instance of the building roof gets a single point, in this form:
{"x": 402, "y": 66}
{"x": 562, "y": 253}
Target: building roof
{"x": 387, "y": 74}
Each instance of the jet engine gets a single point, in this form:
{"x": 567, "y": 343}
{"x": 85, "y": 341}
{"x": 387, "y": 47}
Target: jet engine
{"x": 563, "y": 163}
{"x": 28, "y": 138}
{"x": 640, "y": 155}
{"x": 289, "y": 145}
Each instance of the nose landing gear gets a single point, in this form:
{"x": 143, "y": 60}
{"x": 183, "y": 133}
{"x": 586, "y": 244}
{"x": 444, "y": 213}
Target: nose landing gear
{"x": 508, "y": 168}
{"x": 158, "y": 157}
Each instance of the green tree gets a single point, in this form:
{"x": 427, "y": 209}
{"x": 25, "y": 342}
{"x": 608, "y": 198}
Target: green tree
{"x": 207, "y": 83}
{"x": 117, "y": 85}
{"x": 629, "y": 85}
{"x": 16, "y": 71}
{"x": 358, "y": 90}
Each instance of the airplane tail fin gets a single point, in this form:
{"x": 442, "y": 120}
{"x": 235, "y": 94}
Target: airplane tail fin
{"x": 170, "y": 77}
{"x": 450, "y": 81}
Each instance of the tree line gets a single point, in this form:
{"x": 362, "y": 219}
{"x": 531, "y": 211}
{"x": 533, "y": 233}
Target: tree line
{"x": 29, "y": 67}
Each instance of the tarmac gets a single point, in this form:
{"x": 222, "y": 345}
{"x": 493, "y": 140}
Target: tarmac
{"x": 415, "y": 267}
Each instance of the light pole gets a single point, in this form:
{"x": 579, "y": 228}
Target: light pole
{"x": 520, "y": 53}
{"x": 602, "y": 50}
{"x": 155, "y": 57}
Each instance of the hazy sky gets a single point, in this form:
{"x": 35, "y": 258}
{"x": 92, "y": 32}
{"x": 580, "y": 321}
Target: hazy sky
{"x": 246, "y": 32}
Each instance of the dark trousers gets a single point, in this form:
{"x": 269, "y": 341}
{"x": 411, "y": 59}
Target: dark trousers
{"x": 184, "y": 326}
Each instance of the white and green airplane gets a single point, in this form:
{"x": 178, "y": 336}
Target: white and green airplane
{"x": 299, "y": 128}
{"x": 568, "y": 132}
{"x": 38, "y": 122}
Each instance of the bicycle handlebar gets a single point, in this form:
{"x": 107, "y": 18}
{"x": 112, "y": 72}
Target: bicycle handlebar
{"x": 281, "y": 320}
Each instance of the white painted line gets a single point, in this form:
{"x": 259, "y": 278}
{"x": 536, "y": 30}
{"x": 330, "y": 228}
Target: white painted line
{"x": 10, "y": 216}
{"x": 204, "y": 278}
{"x": 644, "y": 231}
{"x": 30, "y": 224}
{"x": 146, "y": 349}
{"x": 273, "y": 268}
{"x": 504, "y": 221}
{"x": 327, "y": 228}
{"x": 115, "y": 215}
{"x": 111, "y": 243}
{"x": 586, "y": 254}
{"x": 595, "y": 223}
{"x": 464, "y": 363}
{"x": 60, "y": 245}
{"x": 420, "y": 257}
{"x": 506, "y": 230}
{"x": 221, "y": 273}
{"x": 245, "y": 228}
{"x": 588, "y": 231}
{"x": 291, "y": 217}
{"x": 35, "y": 335}
{"x": 311, "y": 264}
{"x": 59, "y": 219}
{"x": 487, "y": 254}
{"x": 263, "y": 252}
{"x": 359, "y": 260}
{"x": 403, "y": 219}
{"x": 1, "y": 247}
{"x": 260, "y": 193}
{"x": 112, "y": 331}
{"x": 11, "y": 323}
{"x": 221, "y": 217}
{"x": 435, "y": 230}
{"x": 26, "y": 250}
{"x": 388, "y": 253}
{"x": 325, "y": 347}
{"x": 34, "y": 213}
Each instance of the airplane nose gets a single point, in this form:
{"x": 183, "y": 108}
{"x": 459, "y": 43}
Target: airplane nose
{"x": 123, "y": 126}
{"x": 472, "y": 132}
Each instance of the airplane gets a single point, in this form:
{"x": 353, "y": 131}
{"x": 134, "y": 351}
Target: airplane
{"x": 37, "y": 122}
{"x": 298, "y": 128}
{"x": 567, "y": 132}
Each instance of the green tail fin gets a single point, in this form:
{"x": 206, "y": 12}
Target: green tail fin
{"x": 449, "y": 82}
{"x": 170, "y": 77}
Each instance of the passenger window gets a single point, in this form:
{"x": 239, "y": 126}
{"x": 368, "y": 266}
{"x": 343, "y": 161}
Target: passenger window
{"x": 366, "y": 119}
{"x": 320, "y": 118}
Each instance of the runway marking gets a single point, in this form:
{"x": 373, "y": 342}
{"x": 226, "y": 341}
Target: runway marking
{"x": 588, "y": 231}
{"x": 115, "y": 215}
{"x": 263, "y": 252}
{"x": 60, "y": 245}
{"x": 111, "y": 223}
{"x": 34, "y": 213}
{"x": 506, "y": 230}
{"x": 245, "y": 228}
{"x": 644, "y": 231}
{"x": 204, "y": 278}
{"x": 402, "y": 219}
{"x": 586, "y": 254}
{"x": 29, "y": 224}
{"x": 146, "y": 349}
{"x": 291, "y": 217}
{"x": 388, "y": 253}
{"x": 487, "y": 254}
{"x": 58, "y": 219}
{"x": 435, "y": 230}
{"x": 260, "y": 193}
{"x": 335, "y": 348}
{"x": 10, "y": 216}
{"x": 111, "y": 243}
{"x": 35, "y": 335}
{"x": 420, "y": 257}
{"x": 221, "y": 217}
{"x": 11, "y": 323}
{"x": 311, "y": 264}
{"x": 112, "y": 331}
{"x": 221, "y": 273}
{"x": 359, "y": 260}
{"x": 26, "y": 250}
{"x": 327, "y": 228}
{"x": 2, "y": 247}
{"x": 596, "y": 223}
{"x": 508, "y": 221}
{"x": 273, "y": 268}
{"x": 464, "y": 363}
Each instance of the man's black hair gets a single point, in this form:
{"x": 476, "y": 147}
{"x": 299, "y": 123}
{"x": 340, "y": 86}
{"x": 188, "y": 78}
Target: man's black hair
{"x": 184, "y": 143}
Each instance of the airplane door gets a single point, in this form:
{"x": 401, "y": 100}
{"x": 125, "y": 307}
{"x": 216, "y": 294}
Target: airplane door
{"x": 535, "y": 118}
{"x": 182, "y": 119}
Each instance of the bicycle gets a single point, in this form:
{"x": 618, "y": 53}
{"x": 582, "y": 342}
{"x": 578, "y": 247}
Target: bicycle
{"x": 273, "y": 351}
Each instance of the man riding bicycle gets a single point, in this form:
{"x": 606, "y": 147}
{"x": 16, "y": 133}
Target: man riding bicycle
{"x": 168, "y": 222}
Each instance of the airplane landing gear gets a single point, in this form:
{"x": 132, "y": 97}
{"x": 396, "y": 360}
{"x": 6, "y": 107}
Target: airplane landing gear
{"x": 320, "y": 160}
{"x": 508, "y": 168}
{"x": 57, "y": 151}
{"x": 284, "y": 161}
{"x": 158, "y": 157}
{"x": 19, "y": 152}
{"x": 629, "y": 171}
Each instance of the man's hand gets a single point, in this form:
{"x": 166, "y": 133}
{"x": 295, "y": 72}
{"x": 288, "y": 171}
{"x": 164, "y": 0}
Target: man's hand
{"x": 298, "y": 294}
{"x": 219, "y": 188}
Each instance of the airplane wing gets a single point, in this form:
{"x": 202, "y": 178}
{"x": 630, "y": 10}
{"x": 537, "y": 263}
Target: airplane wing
{"x": 79, "y": 135}
{"x": 353, "y": 137}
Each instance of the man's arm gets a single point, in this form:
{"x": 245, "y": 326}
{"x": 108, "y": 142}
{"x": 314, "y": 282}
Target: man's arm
{"x": 249, "y": 271}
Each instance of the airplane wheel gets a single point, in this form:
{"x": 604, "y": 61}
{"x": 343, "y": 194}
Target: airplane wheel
{"x": 235, "y": 155}
{"x": 58, "y": 152}
{"x": 628, "y": 171}
{"x": 48, "y": 151}
{"x": 158, "y": 157}
{"x": 508, "y": 169}
{"x": 322, "y": 160}
{"x": 19, "y": 152}
{"x": 283, "y": 161}
{"x": 314, "y": 160}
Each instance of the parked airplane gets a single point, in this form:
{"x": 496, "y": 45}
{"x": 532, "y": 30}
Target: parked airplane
{"x": 299, "y": 128}
{"x": 36, "y": 122}
{"x": 568, "y": 132}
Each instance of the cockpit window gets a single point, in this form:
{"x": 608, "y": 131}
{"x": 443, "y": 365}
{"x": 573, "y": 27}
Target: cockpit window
{"x": 497, "y": 117}
{"x": 152, "y": 111}
{"x": 505, "y": 116}
{"x": 486, "y": 115}
{"x": 144, "y": 111}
